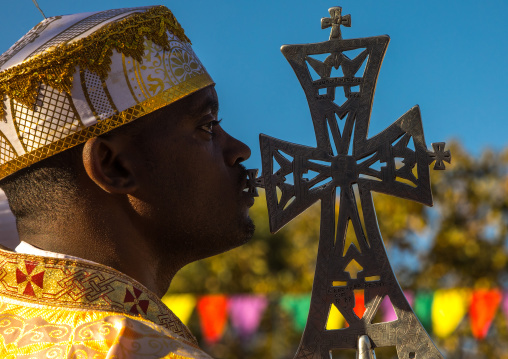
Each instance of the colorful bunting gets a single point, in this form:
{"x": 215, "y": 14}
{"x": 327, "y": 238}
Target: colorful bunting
{"x": 180, "y": 304}
{"x": 505, "y": 304}
{"x": 387, "y": 311}
{"x": 335, "y": 319}
{"x": 298, "y": 307}
{"x": 484, "y": 304}
{"x": 423, "y": 309}
{"x": 439, "y": 312}
{"x": 246, "y": 312}
{"x": 359, "y": 308}
{"x": 448, "y": 309}
{"x": 409, "y": 297}
{"x": 212, "y": 310}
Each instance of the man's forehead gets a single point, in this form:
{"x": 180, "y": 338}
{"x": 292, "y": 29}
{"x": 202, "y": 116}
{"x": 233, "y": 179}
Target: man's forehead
{"x": 203, "y": 101}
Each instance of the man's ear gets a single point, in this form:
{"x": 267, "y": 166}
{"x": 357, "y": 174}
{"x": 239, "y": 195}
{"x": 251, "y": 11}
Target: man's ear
{"x": 109, "y": 166}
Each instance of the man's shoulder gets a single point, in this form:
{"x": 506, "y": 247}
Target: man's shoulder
{"x": 54, "y": 304}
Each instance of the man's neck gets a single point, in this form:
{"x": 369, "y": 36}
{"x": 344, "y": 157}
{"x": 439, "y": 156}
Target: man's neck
{"x": 123, "y": 248}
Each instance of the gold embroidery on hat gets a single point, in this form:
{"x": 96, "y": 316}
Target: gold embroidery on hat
{"x": 97, "y": 95}
{"x": 7, "y": 151}
{"x": 81, "y": 27}
{"x": 108, "y": 95}
{"x": 52, "y": 118}
{"x": 160, "y": 100}
{"x": 56, "y": 66}
{"x": 141, "y": 85}
{"x": 126, "y": 73}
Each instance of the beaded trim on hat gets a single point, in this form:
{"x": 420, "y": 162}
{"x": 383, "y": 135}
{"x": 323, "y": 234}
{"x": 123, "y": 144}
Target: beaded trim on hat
{"x": 55, "y": 67}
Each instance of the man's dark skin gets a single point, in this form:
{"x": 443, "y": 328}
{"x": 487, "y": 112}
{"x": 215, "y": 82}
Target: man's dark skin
{"x": 155, "y": 199}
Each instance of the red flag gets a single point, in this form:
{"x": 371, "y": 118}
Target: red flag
{"x": 212, "y": 310}
{"x": 482, "y": 310}
{"x": 359, "y": 303}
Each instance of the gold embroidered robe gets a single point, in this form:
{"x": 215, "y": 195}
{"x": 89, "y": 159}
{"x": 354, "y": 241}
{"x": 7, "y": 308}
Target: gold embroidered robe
{"x": 60, "y": 308}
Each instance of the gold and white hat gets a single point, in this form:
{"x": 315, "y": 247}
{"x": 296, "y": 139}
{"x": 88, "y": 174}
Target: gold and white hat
{"x": 75, "y": 77}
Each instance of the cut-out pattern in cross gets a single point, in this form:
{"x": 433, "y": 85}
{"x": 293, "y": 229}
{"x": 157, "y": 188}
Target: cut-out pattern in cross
{"x": 352, "y": 275}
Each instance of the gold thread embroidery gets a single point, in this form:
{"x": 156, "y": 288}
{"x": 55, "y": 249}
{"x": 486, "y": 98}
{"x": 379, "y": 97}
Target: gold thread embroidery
{"x": 93, "y": 333}
{"x": 85, "y": 92}
{"x": 76, "y": 114}
{"x": 70, "y": 285}
{"x": 80, "y": 27}
{"x": 16, "y": 126}
{"x": 56, "y": 66}
{"x": 125, "y": 72}
{"x": 108, "y": 95}
{"x": 97, "y": 95}
{"x": 7, "y": 150}
{"x": 158, "y": 101}
{"x": 50, "y": 119}
{"x": 139, "y": 79}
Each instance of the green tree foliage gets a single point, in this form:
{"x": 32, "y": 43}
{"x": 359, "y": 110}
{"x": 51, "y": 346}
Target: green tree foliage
{"x": 460, "y": 242}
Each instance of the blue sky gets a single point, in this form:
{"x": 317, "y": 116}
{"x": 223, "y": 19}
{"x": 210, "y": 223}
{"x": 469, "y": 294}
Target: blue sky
{"x": 448, "y": 56}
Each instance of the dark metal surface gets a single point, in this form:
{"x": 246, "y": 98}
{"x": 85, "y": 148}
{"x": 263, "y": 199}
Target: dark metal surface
{"x": 347, "y": 163}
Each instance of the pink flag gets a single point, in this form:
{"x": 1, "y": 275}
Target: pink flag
{"x": 387, "y": 311}
{"x": 505, "y": 303}
{"x": 245, "y": 312}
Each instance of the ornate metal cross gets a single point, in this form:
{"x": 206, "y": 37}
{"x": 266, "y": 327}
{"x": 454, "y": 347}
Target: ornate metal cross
{"x": 395, "y": 161}
{"x": 335, "y": 21}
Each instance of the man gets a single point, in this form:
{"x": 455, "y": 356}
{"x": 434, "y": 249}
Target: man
{"x": 119, "y": 173}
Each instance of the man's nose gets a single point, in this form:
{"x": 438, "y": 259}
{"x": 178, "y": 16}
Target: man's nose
{"x": 235, "y": 151}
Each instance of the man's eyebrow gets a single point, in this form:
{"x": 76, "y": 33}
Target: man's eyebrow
{"x": 211, "y": 104}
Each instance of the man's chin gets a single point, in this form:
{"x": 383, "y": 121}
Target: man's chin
{"x": 244, "y": 234}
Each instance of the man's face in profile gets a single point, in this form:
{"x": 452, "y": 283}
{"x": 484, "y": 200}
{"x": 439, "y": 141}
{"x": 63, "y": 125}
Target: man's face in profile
{"x": 192, "y": 180}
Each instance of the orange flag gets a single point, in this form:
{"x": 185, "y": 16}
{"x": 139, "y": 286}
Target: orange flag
{"x": 482, "y": 310}
{"x": 359, "y": 303}
{"x": 212, "y": 310}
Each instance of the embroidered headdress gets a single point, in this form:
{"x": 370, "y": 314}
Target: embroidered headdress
{"x": 78, "y": 76}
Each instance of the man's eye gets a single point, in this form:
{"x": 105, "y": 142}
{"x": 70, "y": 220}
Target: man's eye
{"x": 208, "y": 127}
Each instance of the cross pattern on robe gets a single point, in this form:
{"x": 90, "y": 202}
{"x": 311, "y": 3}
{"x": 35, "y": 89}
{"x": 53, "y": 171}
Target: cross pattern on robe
{"x": 394, "y": 161}
{"x": 335, "y": 21}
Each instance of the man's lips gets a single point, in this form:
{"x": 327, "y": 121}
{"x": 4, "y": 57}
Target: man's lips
{"x": 248, "y": 191}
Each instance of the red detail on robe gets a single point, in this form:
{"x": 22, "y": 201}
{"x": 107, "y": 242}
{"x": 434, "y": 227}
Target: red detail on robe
{"x": 128, "y": 297}
{"x": 30, "y": 266}
{"x": 134, "y": 309}
{"x": 143, "y": 304}
{"x": 20, "y": 276}
{"x": 137, "y": 292}
{"x": 38, "y": 279}
{"x": 29, "y": 290}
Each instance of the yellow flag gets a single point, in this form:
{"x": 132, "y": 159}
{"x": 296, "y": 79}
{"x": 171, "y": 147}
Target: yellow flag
{"x": 448, "y": 309}
{"x": 335, "y": 319}
{"x": 180, "y": 304}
